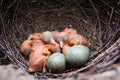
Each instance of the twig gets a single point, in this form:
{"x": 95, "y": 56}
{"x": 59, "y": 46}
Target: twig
{"x": 106, "y": 3}
{"x": 16, "y": 10}
{"x": 111, "y": 51}
{"x": 110, "y": 39}
{"x": 1, "y": 2}
{"x": 111, "y": 16}
{"x": 98, "y": 18}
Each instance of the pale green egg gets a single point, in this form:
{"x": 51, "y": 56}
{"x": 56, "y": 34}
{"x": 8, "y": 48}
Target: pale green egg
{"x": 56, "y": 63}
{"x": 77, "y": 55}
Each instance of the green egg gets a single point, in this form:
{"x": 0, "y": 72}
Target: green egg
{"x": 56, "y": 63}
{"x": 77, "y": 55}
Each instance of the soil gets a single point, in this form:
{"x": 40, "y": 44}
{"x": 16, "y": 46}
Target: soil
{"x": 12, "y": 72}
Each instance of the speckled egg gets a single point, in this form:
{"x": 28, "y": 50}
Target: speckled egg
{"x": 56, "y": 63}
{"x": 77, "y": 55}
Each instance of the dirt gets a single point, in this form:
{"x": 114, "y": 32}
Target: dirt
{"x": 12, "y": 72}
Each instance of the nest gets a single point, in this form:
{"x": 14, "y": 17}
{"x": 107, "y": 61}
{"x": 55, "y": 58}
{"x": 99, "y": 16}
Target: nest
{"x": 98, "y": 21}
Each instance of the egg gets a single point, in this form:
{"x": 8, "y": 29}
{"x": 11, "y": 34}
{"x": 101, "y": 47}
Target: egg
{"x": 77, "y": 55}
{"x": 56, "y": 63}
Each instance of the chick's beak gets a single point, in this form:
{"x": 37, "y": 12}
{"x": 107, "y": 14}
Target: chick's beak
{"x": 61, "y": 44}
{"x": 52, "y": 41}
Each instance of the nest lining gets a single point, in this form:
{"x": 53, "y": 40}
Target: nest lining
{"x": 97, "y": 21}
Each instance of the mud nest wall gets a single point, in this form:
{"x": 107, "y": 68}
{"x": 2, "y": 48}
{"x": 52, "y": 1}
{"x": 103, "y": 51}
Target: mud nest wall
{"x": 97, "y": 20}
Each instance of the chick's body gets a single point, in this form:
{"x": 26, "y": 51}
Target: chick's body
{"x": 70, "y": 31}
{"x": 38, "y": 58}
{"x": 67, "y": 45}
{"x": 77, "y": 39}
{"x": 73, "y": 39}
{"x": 35, "y": 36}
{"x": 29, "y": 46}
{"x": 32, "y": 43}
{"x": 65, "y": 48}
{"x": 26, "y": 46}
{"x": 37, "y": 44}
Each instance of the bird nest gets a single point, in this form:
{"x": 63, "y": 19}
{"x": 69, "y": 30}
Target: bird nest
{"x": 98, "y": 21}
